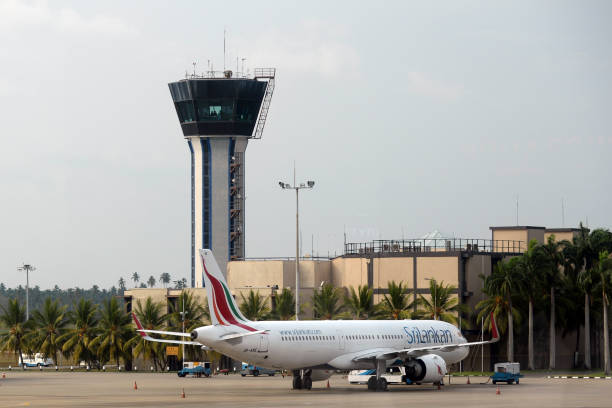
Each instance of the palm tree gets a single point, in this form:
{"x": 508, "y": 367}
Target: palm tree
{"x": 13, "y": 318}
{"x": 530, "y": 266}
{"x": 284, "y": 305}
{"x": 151, "y": 317}
{"x": 442, "y": 304}
{"x": 326, "y": 302}
{"x": 135, "y": 278}
{"x": 151, "y": 281}
{"x": 115, "y": 331}
{"x": 604, "y": 270}
{"x": 552, "y": 279}
{"x": 49, "y": 323}
{"x": 254, "y": 306}
{"x": 195, "y": 314}
{"x": 503, "y": 283}
{"x": 396, "y": 304}
{"x": 359, "y": 304}
{"x": 122, "y": 284}
{"x": 77, "y": 340}
{"x": 164, "y": 278}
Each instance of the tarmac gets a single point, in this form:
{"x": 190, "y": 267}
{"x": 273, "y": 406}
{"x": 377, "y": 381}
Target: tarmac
{"x": 112, "y": 389}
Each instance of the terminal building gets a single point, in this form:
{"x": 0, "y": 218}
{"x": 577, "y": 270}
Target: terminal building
{"x": 219, "y": 113}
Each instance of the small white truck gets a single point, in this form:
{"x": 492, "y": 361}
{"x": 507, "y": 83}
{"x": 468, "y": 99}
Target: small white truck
{"x": 37, "y": 360}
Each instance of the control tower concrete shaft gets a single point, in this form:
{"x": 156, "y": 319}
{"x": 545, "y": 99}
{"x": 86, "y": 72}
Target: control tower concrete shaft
{"x": 219, "y": 113}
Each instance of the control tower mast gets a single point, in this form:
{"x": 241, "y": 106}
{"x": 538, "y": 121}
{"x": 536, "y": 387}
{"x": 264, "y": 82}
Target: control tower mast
{"x": 219, "y": 112}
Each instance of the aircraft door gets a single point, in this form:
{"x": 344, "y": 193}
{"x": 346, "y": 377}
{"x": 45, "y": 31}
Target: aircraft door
{"x": 264, "y": 343}
{"x": 340, "y": 339}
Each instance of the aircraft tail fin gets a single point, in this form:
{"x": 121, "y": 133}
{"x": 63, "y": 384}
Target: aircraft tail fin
{"x": 223, "y": 308}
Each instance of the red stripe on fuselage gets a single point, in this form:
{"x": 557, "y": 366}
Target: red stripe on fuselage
{"x": 221, "y": 302}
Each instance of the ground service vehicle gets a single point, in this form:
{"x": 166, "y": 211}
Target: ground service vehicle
{"x": 507, "y": 372}
{"x": 195, "y": 368}
{"x": 37, "y": 360}
{"x": 249, "y": 369}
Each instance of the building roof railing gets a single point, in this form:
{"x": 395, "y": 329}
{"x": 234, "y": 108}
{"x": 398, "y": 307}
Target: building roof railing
{"x": 420, "y": 245}
{"x": 258, "y": 73}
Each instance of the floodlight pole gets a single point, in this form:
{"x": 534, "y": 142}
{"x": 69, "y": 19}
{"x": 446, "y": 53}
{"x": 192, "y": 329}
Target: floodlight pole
{"x": 27, "y": 268}
{"x": 309, "y": 185}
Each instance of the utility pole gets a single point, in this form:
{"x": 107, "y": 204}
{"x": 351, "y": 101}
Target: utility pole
{"x": 285, "y": 186}
{"x": 27, "y": 268}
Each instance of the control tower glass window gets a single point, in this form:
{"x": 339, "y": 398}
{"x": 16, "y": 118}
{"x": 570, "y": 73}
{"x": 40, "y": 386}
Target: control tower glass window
{"x": 185, "y": 111}
{"x": 211, "y": 110}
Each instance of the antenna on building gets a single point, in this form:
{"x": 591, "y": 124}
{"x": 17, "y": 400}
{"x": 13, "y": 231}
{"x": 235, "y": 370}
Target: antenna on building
{"x": 243, "y": 59}
{"x": 194, "y": 63}
{"x": 223, "y": 48}
{"x": 517, "y": 208}
{"x": 562, "y": 213}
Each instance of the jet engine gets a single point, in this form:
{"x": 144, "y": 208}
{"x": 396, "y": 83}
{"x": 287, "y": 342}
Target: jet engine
{"x": 429, "y": 368}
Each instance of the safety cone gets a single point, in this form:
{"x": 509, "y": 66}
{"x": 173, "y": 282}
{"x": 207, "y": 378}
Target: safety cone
{"x": 3, "y": 376}
{"x": 183, "y": 393}
{"x": 135, "y": 385}
{"x": 468, "y": 381}
{"x": 498, "y": 392}
{"x": 328, "y": 384}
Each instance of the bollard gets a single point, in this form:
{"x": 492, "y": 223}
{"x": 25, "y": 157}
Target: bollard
{"x": 40, "y": 368}
{"x": 135, "y": 368}
{"x": 56, "y": 368}
{"x": 183, "y": 393}
{"x": 71, "y": 368}
{"x": 151, "y": 368}
{"x": 10, "y": 368}
{"x": 103, "y": 368}
{"x": 88, "y": 368}
{"x": 119, "y": 368}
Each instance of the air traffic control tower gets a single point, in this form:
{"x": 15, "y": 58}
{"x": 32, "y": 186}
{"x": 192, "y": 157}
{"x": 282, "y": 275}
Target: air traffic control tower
{"x": 219, "y": 113}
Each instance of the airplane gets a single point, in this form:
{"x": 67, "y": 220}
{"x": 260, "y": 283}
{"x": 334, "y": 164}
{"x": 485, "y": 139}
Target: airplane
{"x": 314, "y": 349}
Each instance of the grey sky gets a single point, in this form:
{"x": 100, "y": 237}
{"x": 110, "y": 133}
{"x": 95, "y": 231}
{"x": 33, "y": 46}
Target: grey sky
{"x": 409, "y": 116}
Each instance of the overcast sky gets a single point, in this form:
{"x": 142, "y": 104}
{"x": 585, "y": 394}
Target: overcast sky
{"x": 409, "y": 116}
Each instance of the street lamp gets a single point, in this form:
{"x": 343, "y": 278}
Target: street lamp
{"x": 285, "y": 186}
{"x": 27, "y": 268}
{"x": 435, "y": 297}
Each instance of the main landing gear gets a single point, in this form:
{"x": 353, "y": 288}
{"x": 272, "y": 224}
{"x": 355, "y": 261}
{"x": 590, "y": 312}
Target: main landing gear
{"x": 378, "y": 382}
{"x": 302, "y": 379}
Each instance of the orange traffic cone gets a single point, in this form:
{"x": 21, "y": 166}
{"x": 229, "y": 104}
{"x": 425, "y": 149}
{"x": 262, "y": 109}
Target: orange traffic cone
{"x": 183, "y": 393}
{"x": 135, "y": 385}
{"x": 328, "y": 384}
{"x": 498, "y": 392}
{"x": 3, "y": 376}
{"x": 468, "y": 381}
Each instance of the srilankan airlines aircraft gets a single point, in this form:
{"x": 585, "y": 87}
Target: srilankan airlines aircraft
{"x": 314, "y": 349}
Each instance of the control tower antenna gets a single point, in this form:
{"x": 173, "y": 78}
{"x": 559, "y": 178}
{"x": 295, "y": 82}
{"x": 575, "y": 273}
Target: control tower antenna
{"x": 224, "y": 48}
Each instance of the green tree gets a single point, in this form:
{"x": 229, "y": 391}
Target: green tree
{"x": 121, "y": 284}
{"x": 115, "y": 331}
{"x": 164, "y": 278}
{"x": 135, "y": 278}
{"x": 552, "y": 279}
{"x": 359, "y": 303}
{"x": 151, "y": 317}
{"x": 396, "y": 305}
{"x": 254, "y": 306}
{"x": 48, "y": 325}
{"x": 530, "y": 266}
{"x": 284, "y": 305}
{"x": 151, "y": 281}
{"x": 196, "y": 315}
{"x": 84, "y": 327}
{"x": 604, "y": 270}
{"x": 441, "y": 305}
{"x": 500, "y": 286}
{"x": 13, "y": 319}
{"x": 327, "y": 302}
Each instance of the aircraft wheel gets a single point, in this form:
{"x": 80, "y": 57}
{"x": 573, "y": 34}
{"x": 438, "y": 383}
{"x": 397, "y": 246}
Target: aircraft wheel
{"x": 297, "y": 382}
{"x": 307, "y": 383}
{"x": 381, "y": 384}
{"x": 372, "y": 383}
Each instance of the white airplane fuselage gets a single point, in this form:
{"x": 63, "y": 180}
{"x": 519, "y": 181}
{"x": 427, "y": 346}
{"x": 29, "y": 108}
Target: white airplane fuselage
{"x": 330, "y": 343}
